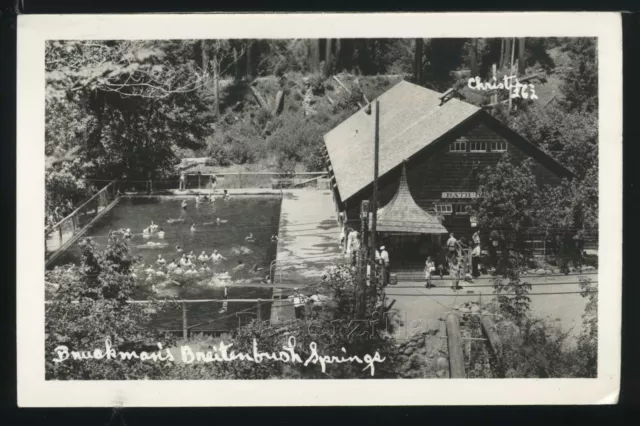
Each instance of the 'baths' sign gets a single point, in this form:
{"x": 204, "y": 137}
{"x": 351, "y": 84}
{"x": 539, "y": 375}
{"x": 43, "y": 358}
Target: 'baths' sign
{"x": 459, "y": 195}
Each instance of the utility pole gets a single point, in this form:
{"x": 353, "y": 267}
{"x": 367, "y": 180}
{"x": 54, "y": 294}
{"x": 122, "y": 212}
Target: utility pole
{"x": 374, "y": 198}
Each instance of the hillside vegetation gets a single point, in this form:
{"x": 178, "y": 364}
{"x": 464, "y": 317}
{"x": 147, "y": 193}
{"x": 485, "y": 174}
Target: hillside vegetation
{"x": 132, "y": 110}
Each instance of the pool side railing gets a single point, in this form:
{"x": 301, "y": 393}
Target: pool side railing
{"x": 61, "y": 235}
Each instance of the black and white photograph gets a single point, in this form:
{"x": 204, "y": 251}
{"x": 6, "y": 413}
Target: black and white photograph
{"x": 321, "y": 210}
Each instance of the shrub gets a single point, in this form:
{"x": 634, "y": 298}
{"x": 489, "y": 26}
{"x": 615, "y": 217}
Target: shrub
{"x": 316, "y": 82}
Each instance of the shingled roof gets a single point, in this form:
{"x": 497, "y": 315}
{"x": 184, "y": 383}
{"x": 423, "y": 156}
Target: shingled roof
{"x": 402, "y": 214}
{"x": 411, "y": 118}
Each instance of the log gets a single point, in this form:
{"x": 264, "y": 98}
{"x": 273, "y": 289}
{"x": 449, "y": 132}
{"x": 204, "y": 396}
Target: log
{"x": 259, "y": 98}
{"x": 279, "y": 104}
{"x": 454, "y": 340}
{"x": 343, "y": 86}
{"x": 489, "y": 329}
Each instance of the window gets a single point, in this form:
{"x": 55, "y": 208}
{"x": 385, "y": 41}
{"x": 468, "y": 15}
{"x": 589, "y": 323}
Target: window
{"x": 498, "y": 146}
{"x": 461, "y": 208}
{"x": 458, "y": 147}
{"x": 444, "y": 208}
{"x": 477, "y": 146}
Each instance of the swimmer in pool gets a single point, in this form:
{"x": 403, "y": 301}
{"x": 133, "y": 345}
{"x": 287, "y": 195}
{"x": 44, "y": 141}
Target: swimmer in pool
{"x": 150, "y": 270}
{"x": 160, "y": 260}
{"x": 153, "y": 227}
{"x": 193, "y": 227}
{"x": 184, "y": 204}
{"x": 161, "y": 233}
{"x": 240, "y": 266}
{"x": 225, "y": 195}
{"x": 191, "y": 256}
{"x": 250, "y": 238}
{"x": 202, "y": 267}
{"x": 171, "y": 266}
{"x": 178, "y": 271}
{"x": 184, "y": 259}
{"x": 203, "y": 257}
{"x": 216, "y": 257}
{"x": 198, "y": 199}
{"x": 127, "y": 233}
{"x": 160, "y": 273}
{"x": 179, "y": 249}
{"x": 206, "y": 268}
{"x": 146, "y": 232}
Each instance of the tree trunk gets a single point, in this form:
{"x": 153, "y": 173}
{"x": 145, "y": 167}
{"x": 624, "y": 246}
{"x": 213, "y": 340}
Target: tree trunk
{"x": 327, "y": 58}
{"x": 217, "y": 89}
{"x": 249, "y": 72}
{"x": 417, "y": 61}
{"x": 205, "y": 55}
{"x": 502, "y": 55}
{"x": 236, "y": 71}
{"x": 314, "y": 56}
{"x": 507, "y": 52}
{"x": 337, "y": 55}
{"x": 521, "y": 64}
{"x": 474, "y": 57}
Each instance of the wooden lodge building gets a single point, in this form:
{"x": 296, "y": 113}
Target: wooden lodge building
{"x": 443, "y": 143}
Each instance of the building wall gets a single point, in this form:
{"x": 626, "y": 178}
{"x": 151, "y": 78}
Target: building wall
{"x": 445, "y": 171}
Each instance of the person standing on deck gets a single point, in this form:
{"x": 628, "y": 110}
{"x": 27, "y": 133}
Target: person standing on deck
{"x": 384, "y": 257}
{"x": 298, "y": 303}
{"x": 452, "y": 247}
{"x": 183, "y": 181}
{"x": 475, "y": 254}
{"x": 214, "y": 181}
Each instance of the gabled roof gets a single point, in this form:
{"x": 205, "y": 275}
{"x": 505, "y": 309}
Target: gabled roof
{"x": 402, "y": 214}
{"x": 411, "y": 118}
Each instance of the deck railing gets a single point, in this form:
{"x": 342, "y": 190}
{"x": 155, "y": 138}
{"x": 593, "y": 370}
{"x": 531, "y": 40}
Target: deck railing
{"x": 225, "y": 180}
{"x": 58, "y": 236}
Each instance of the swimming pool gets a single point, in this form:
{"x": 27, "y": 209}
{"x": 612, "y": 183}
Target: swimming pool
{"x": 259, "y": 215}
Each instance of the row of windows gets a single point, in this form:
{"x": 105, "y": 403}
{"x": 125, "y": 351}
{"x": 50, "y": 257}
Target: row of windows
{"x": 478, "y": 146}
{"x": 453, "y": 208}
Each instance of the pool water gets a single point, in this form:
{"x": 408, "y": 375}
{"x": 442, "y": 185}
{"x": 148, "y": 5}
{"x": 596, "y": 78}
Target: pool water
{"x": 259, "y": 215}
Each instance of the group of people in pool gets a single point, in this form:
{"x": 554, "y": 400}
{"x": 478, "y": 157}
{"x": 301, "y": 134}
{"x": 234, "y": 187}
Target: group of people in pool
{"x": 186, "y": 265}
{"x": 148, "y": 231}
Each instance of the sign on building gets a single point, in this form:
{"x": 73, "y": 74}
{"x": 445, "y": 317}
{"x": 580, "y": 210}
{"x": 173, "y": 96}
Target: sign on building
{"x": 459, "y": 195}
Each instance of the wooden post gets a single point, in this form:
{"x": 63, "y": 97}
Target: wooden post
{"x": 501, "y": 62}
{"x": 185, "y": 330}
{"x": 454, "y": 340}
{"x": 259, "y": 310}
